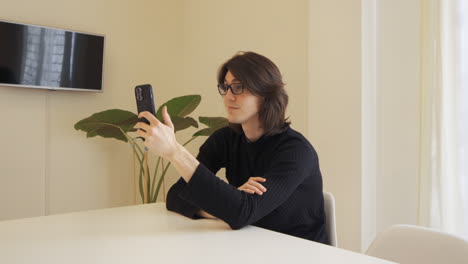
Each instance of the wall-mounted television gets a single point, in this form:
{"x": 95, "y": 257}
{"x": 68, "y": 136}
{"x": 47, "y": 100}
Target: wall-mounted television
{"x": 50, "y": 58}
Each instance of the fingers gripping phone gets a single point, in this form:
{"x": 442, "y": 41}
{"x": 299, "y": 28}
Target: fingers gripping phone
{"x": 144, "y": 100}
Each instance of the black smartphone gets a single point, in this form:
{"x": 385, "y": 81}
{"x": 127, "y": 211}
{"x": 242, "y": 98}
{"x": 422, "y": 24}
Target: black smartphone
{"x": 144, "y": 100}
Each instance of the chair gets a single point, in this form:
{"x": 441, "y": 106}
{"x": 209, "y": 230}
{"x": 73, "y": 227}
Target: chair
{"x": 414, "y": 244}
{"x": 329, "y": 202}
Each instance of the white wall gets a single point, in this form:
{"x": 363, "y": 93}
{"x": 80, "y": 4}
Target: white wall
{"x": 398, "y": 108}
{"x": 369, "y": 122}
{"x": 366, "y": 130}
{"x": 391, "y": 58}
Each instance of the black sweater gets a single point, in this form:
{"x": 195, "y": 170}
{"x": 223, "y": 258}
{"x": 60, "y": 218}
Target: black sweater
{"x": 293, "y": 203}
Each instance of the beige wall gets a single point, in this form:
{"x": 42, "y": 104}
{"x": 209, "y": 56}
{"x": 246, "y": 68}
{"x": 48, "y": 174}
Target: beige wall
{"x": 175, "y": 45}
{"x": 214, "y": 30}
{"x": 178, "y": 46}
{"x": 46, "y": 166}
{"x": 316, "y": 45}
{"x": 335, "y": 107}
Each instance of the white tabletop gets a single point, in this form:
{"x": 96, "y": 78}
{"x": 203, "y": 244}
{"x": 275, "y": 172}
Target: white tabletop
{"x": 151, "y": 234}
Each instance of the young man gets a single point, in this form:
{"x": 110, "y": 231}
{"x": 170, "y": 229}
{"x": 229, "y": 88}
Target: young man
{"x": 273, "y": 171}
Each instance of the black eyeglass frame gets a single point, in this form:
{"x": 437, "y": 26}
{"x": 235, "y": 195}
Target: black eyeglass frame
{"x": 224, "y": 87}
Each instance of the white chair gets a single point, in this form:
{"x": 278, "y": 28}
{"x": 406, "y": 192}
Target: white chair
{"x": 329, "y": 203}
{"x": 414, "y": 244}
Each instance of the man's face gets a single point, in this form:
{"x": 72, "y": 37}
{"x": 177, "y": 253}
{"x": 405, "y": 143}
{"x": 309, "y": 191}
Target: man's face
{"x": 241, "y": 108}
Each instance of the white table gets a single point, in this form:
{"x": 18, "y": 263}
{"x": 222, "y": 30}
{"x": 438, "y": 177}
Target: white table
{"x": 151, "y": 234}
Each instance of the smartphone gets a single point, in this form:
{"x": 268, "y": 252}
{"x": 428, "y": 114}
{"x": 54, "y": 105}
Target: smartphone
{"x": 144, "y": 100}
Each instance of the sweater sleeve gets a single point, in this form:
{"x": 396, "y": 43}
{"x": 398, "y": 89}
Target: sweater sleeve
{"x": 210, "y": 155}
{"x": 289, "y": 167}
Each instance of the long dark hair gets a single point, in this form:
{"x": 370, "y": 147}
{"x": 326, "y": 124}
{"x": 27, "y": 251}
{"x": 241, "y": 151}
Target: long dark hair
{"x": 262, "y": 78}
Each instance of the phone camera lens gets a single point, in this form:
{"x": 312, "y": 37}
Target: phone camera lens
{"x": 138, "y": 94}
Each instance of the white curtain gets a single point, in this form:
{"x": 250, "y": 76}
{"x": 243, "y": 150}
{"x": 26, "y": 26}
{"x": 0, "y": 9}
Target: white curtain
{"x": 443, "y": 195}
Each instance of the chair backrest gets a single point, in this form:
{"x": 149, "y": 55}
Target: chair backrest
{"x": 415, "y": 244}
{"x": 329, "y": 203}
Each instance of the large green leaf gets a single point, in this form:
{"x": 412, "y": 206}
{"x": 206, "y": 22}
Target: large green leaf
{"x": 181, "y": 123}
{"x": 180, "y": 106}
{"x": 213, "y": 124}
{"x": 108, "y": 124}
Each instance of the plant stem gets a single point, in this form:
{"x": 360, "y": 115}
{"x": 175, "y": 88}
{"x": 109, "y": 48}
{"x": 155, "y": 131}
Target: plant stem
{"x": 140, "y": 182}
{"x": 134, "y": 178}
{"x": 148, "y": 178}
{"x": 130, "y": 139}
{"x": 141, "y": 151}
{"x": 190, "y": 140}
{"x": 160, "y": 179}
{"x": 154, "y": 180}
{"x": 165, "y": 170}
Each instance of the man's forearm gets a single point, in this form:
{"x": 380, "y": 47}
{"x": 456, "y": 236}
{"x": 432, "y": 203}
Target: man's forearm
{"x": 184, "y": 162}
{"x": 205, "y": 214}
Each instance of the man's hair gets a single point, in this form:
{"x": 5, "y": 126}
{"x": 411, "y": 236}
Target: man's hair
{"x": 262, "y": 78}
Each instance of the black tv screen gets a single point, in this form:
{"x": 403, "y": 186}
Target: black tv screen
{"x": 50, "y": 58}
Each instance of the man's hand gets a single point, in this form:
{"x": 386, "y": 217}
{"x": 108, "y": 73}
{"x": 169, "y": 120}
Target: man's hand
{"x": 253, "y": 186}
{"x": 159, "y": 137}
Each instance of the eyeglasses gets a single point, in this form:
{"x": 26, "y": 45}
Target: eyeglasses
{"x": 236, "y": 88}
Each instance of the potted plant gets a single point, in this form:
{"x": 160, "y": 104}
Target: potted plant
{"x": 119, "y": 124}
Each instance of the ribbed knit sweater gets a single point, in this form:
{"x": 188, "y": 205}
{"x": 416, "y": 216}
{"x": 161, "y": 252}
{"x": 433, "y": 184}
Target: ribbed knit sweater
{"x": 293, "y": 203}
